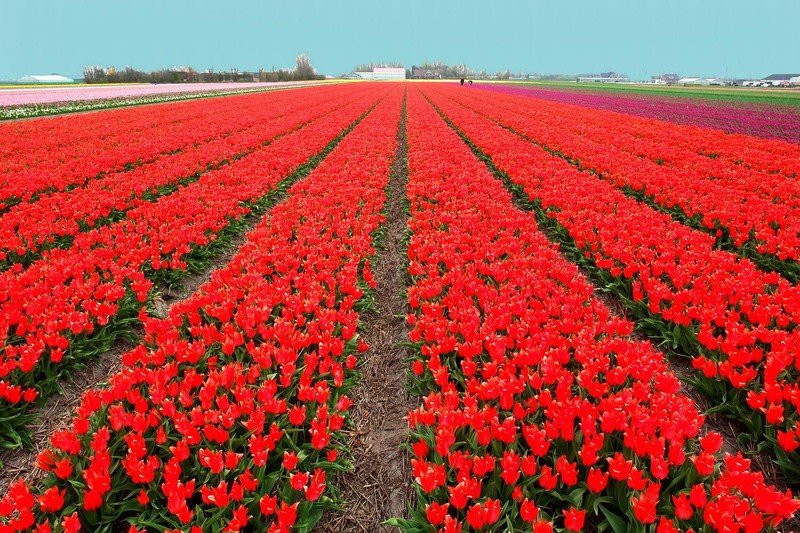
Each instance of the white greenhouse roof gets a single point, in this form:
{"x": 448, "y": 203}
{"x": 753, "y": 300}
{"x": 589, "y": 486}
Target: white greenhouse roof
{"x": 47, "y": 78}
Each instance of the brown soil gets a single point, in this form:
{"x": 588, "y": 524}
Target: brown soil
{"x": 379, "y": 487}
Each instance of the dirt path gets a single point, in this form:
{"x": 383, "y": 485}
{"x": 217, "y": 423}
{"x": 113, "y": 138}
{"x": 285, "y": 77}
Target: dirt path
{"x": 380, "y": 485}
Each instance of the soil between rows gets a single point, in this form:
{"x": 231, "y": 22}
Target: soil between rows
{"x": 379, "y": 487}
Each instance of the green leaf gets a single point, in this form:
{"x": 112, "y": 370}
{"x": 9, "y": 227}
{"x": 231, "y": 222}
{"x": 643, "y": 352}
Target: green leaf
{"x": 598, "y": 501}
{"x": 615, "y": 521}
{"x": 576, "y": 497}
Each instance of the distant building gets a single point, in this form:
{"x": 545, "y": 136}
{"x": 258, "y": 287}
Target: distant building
{"x": 774, "y": 80}
{"x": 380, "y": 73}
{"x": 696, "y": 81}
{"x": 666, "y": 79}
{"x": 604, "y": 77}
{"x": 420, "y": 73}
{"x": 47, "y": 78}
{"x": 389, "y": 73}
{"x": 777, "y": 80}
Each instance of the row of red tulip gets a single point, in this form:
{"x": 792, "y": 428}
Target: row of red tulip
{"x": 30, "y": 173}
{"x": 29, "y": 227}
{"x": 739, "y": 323}
{"x": 31, "y": 135}
{"x": 765, "y": 120}
{"x": 539, "y": 410}
{"x": 36, "y": 135}
{"x": 227, "y": 418}
{"x": 750, "y": 206}
{"x": 768, "y": 156}
{"x": 56, "y": 311}
{"x": 58, "y": 164}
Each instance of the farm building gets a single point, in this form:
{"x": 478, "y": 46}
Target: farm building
{"x": 381, "y": 73}
{"x": 48, "y": 78}
{"x": 421, "y": 73}
{"x": 668, "y": 78}
{"x": 779, "y": 79}
{"x": 699, "y": 81}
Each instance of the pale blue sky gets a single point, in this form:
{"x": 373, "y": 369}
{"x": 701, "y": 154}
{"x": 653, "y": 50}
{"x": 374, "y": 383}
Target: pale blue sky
{"x": 637, "y": 37}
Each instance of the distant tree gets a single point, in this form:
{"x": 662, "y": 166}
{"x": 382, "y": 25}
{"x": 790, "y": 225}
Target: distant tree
{"x": 94, "y": 74}
{"x": 448, "y": 71}
{"x": 303, "y": 69}
{"x": 461, "y": 71}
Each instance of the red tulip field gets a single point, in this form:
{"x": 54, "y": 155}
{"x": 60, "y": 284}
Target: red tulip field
{"x": 386, "y": 306}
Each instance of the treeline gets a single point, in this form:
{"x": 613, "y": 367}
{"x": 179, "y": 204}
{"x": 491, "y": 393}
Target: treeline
{"x": 462, "y": 71}
{"x": 303, "y": 71}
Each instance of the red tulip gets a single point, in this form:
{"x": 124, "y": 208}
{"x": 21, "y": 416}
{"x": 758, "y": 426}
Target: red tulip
{"x": 573, "y": 519}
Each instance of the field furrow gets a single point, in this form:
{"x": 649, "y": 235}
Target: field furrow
{"x": 378, "y": 487}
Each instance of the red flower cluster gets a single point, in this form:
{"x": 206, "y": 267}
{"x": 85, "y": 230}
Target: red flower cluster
{"x": 540, "y": 410}
{"x": 757, "y": 205}
{"x": 39, "y": 156}
{"x": 74, "y": 293}
{"x": 744, "y": 320}
{"x": 226, "y": 419}
{"x": 759, "y": 154}
{"x": 29, "y": 227}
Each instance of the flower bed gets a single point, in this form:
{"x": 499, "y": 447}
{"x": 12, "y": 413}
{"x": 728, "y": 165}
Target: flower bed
{"x": 71, "y": 303}
{"x": 755, "y": 212}
{"x": 227, "y": 418}
{"x": 538, "y": 411}
{"x": 55, "y": 219}
{"x": 761, "y": 120}
{"x": 739, "y": 323}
